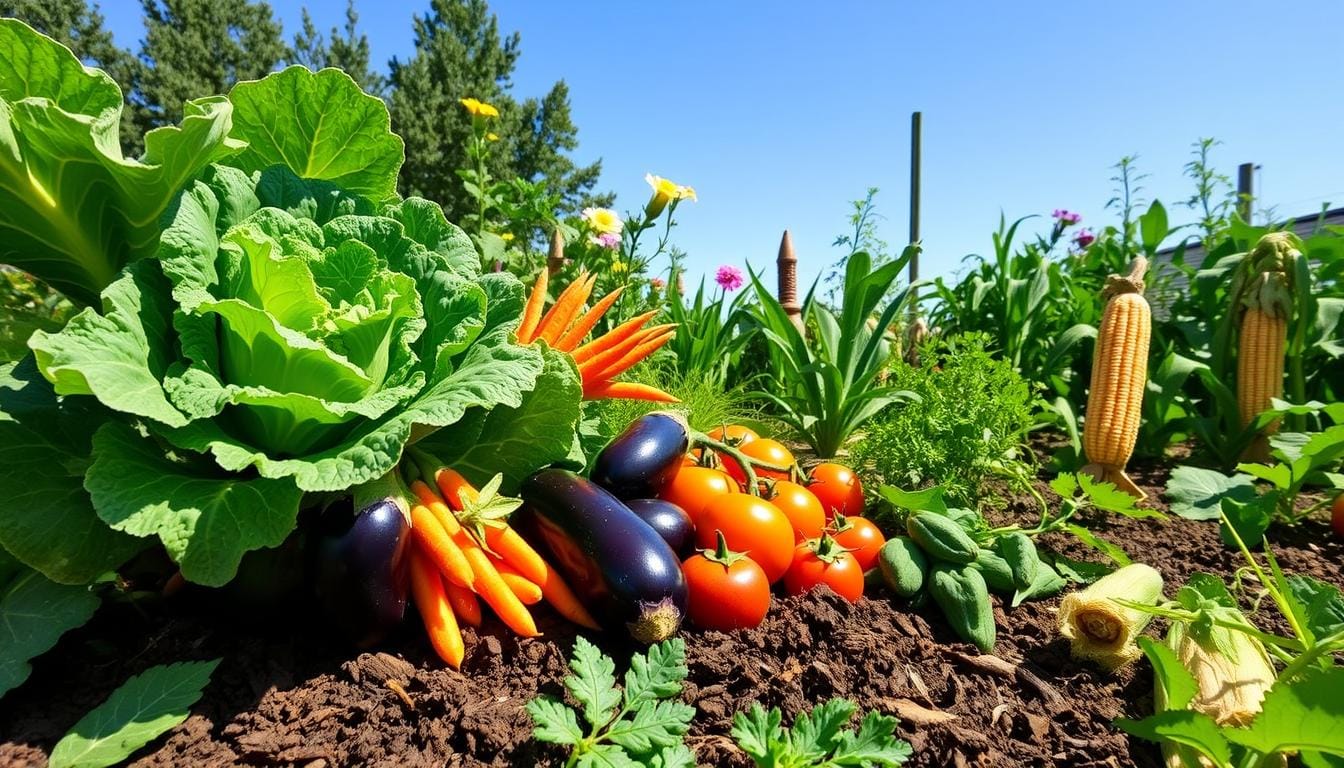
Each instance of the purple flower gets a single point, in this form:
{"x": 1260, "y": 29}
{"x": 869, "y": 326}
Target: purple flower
{"x": 1066, "y": 217}
{"x": 609, "y": 240}
{"x": 728, "y": 277}
{"x": 1084, "y": 238}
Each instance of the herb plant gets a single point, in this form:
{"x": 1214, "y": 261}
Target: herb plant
{"x": 820, "y": 738}
{"x": 642, "y": 725}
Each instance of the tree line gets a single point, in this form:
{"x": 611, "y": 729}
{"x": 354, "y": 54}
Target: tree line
{"x": 195, "y": 48}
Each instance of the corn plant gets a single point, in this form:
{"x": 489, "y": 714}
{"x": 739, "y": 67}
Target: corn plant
{"x": 829, "y": 381}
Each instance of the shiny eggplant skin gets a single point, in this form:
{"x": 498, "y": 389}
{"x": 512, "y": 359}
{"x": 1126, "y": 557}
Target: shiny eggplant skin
{"x": 637, "y": 463}
{"x": 669, "y": 520}
{"x": 619, "y": 566}
{"x": 361, "y": 575}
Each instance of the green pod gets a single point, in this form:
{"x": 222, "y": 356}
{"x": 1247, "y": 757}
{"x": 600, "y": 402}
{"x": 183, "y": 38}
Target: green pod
{"x": 941, "y": 538}
{"x": 968, "y": 519}
{"x": 1047, "y": 583}
{"x": 964, "y": 598}
{"x": 1020, "y": 552}
{"x": 903, "y": 566}
{"x": 998, "y": 574}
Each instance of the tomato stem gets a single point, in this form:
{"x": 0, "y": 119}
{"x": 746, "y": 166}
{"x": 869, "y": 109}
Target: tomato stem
{"x": 721, "y": 554}
{"x": 746, "y": 462}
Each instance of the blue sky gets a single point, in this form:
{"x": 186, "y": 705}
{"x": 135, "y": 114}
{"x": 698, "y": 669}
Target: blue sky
{"x": 779, "y": 113}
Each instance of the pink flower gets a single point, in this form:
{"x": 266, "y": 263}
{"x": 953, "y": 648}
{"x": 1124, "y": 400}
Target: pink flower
{"x": 1066, "y": 217}
{"x": 728, "y": 277}
{"x": 1084, "y": 238}
{"x": 609, "y": 240}
{"x": 658, "y": 283}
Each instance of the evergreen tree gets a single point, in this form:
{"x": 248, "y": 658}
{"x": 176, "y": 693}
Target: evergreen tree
{"x": 349, "y": 51}
{"x": 459, "y": 53}
{"x": 78, "y": 25}
{"x": 196, "y": 48}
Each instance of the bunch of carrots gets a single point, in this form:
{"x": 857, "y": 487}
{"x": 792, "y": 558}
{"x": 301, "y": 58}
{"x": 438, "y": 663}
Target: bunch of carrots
{"x": 601, "y": 360}
{"x": 455, "y": 566}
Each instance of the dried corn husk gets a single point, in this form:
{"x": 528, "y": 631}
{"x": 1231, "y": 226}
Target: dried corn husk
{"x": 1100, "y": 629}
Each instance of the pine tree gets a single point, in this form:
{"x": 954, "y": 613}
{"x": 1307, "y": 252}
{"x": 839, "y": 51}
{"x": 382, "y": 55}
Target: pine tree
{"x": 459, "y": 53}
{"x": 349, "y": 52}
{"x": 196, "y": 48}
{"x": 78, "y": 25}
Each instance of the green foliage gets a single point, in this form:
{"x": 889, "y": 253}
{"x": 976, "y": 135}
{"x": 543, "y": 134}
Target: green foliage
{"x": 147, "y": 705}
{"x": 819, "y": 738}
{"x": 969, "y": 423}
{"x": 711, "y": 331}
{"x": 640, "y": 726}
{"x": 27, "y": 306}
{"x": 34, "y": 613}
{"x": 828, "y": 383}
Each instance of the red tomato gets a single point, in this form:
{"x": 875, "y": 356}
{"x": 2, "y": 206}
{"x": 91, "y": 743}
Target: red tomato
{"x": 749, "y": 525}
{"x": 800, "y": 506}
{"x": 763, "y": 449}
{"x": 725, "y": 589}
{"x": 860, "y": 537}
{"x": 694, "y": 487}
{"x": 1337, "y": 516}
{"x": 823, "y": 561}
{"x": 838, "y": 488}
{"x": 734, "y": 434}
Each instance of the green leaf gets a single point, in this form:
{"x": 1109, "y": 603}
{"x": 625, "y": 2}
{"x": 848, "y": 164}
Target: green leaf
{"x": 320, "y": 125}
{"x": 206, "y": 522}
{"x": 657, "y": 674}
{"x": 1177, "y": 684}
{"x": 120, "y": 355}
{"x": 1182, "y": 726}
{"x": 1321, "y": 606}
{"x": 555, "y": 722}
{"x": 1103, "y": 546}
{"x": 1111, "y": 499}
{"x": 493, "y": 372}
{"x": 1153, "y": 228}
{"x": 34, "y": 613}
{"x": 1279, "y": 475}
{"x": 1196, "y": 493}
{"x": 815, "y": 734}
{"x": 678, "y": 756}
{"x": 73, "y": 211}
{"x": 48, "y": 521}
{"x": 593, "y": 682}
{"x": 144, "y": 707}
{"x": 656, "y": 724}
{"x": 1302, "y": 714}
{"x": 1250, "y": 519}
{"x": 1047, "y": 583}
{"x": 605, "y": 756}
{"x": 926, "y": 500}
{"x": 758, "y": 732}
{"x": 875, "y": 744}
{"x": 1066, "y": 485}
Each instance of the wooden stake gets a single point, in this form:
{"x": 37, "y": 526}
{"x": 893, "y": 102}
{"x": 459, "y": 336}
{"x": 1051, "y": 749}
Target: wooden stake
{"x": 556, "y": 258}
{"x": 787, "y": 266}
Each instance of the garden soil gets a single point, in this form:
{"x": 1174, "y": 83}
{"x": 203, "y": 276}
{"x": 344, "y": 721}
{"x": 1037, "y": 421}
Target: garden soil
{"x": 288, "y": 694}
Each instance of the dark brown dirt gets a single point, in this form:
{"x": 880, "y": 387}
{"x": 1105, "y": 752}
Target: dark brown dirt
{"x": 286, "y": 694}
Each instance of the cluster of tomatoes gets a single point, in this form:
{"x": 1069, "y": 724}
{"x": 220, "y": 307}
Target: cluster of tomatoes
{"x": 801, "y": 531}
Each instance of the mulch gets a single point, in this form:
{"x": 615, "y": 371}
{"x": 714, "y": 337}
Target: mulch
{"x": 288, "y": 693}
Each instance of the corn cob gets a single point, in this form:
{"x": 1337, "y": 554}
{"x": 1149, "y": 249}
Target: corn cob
{"x": 1100, "y": 629}
{"x": 1265, "y": 302}
{"x": 1119, "y": 375}
{"x": 1232, "y": 672}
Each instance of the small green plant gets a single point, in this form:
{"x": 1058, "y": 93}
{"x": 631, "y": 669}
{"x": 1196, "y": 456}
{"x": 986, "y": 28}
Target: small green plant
{"x": 970, "y": 422}
{"x": 711, "y": 330}
{"x": 642, "y": 725}
{"x": 819, "y": 739}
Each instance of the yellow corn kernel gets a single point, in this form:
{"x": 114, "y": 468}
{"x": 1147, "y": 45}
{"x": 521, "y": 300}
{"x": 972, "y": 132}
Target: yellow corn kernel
{"x": 1260, "y": 360}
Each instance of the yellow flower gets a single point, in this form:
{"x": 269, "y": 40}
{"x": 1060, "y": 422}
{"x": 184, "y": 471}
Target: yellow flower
{"x": 618, "y": 266}
{"x": 506, "y": 237}
{"x": 603, "y": 220}
{"x": 664, "y": 191}
{"x": 478, "y": 108}
{"x": 492, "y": 137}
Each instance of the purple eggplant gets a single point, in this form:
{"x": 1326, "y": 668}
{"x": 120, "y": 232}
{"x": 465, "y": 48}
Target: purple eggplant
{"x": 361, "y": 575}
{"x": 620, "y": 567}
{"x": 669, "y": 520}
{"x": 637, "y": 463}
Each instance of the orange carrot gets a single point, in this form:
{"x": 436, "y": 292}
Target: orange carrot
{"x": 602, "y": 360}
{"x": 574, "y": 335}
{"x": 526, "y": 592}
{"x": 514, "y": 550}
{"x": 617, "y": 367}
{"x": 434, "y": 504}
{"x": 465, "y": 604}
{"x": 565, "y": 309}
{"x": 563, "y": 599}
{"x": 527, "y": 329}
{"x": 435, "y": 610}
{"x": 494, "y": 591}
{"x": 451, "y": 484}
{"x": 627, "y": 390}
{"x": 440, "y": 548}
{"x": 613, "y": 337}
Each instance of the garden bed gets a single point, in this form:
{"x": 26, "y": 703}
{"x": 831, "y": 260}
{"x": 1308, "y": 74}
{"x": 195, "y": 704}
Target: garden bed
{"x": 286, "y": 693}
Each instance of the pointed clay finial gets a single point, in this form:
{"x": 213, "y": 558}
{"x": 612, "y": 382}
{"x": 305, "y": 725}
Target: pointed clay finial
{"x": 556, "y": 258}
{"x": 787, "y": 266}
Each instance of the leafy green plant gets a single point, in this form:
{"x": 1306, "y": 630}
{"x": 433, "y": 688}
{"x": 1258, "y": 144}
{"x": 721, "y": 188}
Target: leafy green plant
{"x": 710, "y": 334}
{"x": 969, "y": 422}
{"x": 828, "y": 384}
{"x": 144, "y": 707}
{"x": 640, "y": 725}
{"x": 34, "y": 612}
{"x": 819, "y": 738}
